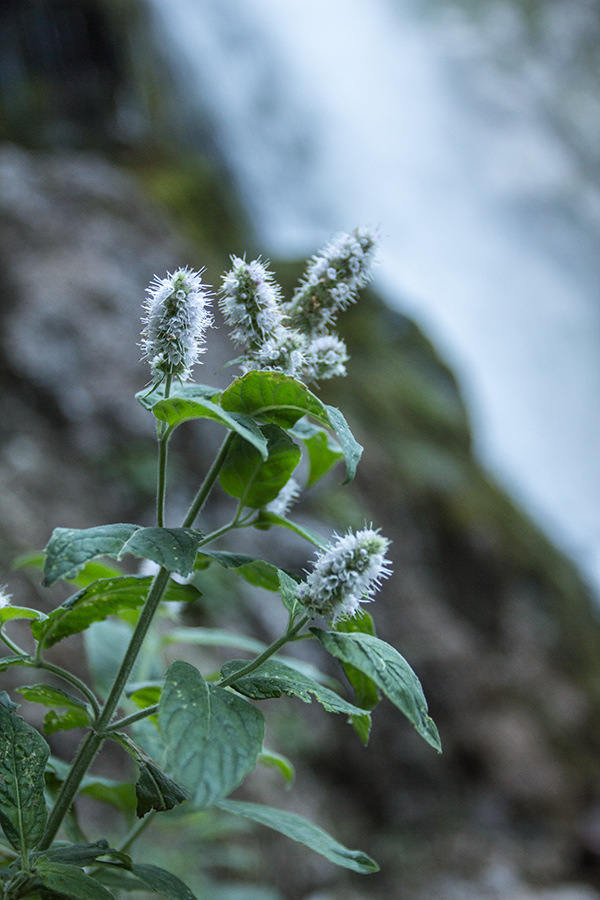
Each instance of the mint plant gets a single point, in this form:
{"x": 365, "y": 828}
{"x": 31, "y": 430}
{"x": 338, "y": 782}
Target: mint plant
{"x": 194, "y": 737}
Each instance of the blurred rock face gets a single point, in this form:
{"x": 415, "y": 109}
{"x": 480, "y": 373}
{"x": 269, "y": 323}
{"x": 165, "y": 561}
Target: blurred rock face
{"x": 495, "y": 622}
{"x": 79, "y": 245}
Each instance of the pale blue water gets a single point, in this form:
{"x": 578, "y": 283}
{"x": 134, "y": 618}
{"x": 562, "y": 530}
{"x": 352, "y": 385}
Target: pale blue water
{"x": 343, "y": 112}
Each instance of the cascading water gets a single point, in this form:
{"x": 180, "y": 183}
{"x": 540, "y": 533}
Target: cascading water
{"x": 334, "y": 113}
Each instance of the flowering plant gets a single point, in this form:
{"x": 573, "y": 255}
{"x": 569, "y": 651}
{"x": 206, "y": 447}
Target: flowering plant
{"x": 194, "y": 738}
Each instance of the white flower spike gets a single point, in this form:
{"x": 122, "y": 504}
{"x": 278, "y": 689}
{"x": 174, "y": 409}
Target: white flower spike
{"x": 4, "y": 598}
{"x": 250, "y": 302}
{"x": 345, "y": 574}
{"x": 175, "y": 323}
{"x": 332, "y": 280}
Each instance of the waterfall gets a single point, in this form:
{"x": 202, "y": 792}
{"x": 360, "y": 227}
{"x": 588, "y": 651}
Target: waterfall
{"x": 343, "y": 112}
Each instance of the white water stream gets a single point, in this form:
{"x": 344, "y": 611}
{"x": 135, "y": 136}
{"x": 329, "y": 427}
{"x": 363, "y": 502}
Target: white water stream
{"x": 334, "y": 113}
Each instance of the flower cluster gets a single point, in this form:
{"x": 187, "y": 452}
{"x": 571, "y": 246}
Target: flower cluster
{"x": 332, "y": 280}
{"x": 250, "y": 303}
{"x": 294, "y": 337}
{"x": 175, "y": 323}
{"x": 4, "y": 598}
{"x": 345, "y": 574}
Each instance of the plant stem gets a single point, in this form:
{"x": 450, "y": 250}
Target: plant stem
{"x": 163, "y": 447}
{"x": 134, "y": 717}
{"x": 205, "y": 487}
{"x": 94, "y": 740}
{"x": 72, "y": 680}
{"x": 12, "y": 646}
{"x": 289, "y": 635}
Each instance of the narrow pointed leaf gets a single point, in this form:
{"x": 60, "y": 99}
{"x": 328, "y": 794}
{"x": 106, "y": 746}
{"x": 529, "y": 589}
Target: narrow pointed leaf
{"x": 277, "y": 761}
{"x": 162, "y": 882}
{"x": 366, "y": 694}
{"x": 75, "y": 854}
{"x": 70, "y": 881}
{"x": 274, "y": 678}
{"x": 101, "y": 599}
{"x": 51, "y": 696}
{"x": 288, "y": 588}
{"x": 323, "y": 451}
{"x": 303, "y": 831}
{"x": 389, "y": 671}
{"x": 252, "y": 569}
{"x": 266, "y": 520}
{"x": 8, "y": 613}
{"x": 254, "y": 481}
{"x": 213, "y": 737}
{"x": 65, "y": 721}
{"x": 351, "y": 449}
{"x": 155, "y": 790}
{"x": 23, "y": 757}
{"x": 177, "y": 410}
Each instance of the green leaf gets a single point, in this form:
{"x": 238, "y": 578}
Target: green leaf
{"x": 214, "y": 637}
{"x": 154, "y": 790}
{"x": 8, "y": 613}
{"x": 323, "y": 451}
{"x": 149, "y": 399}
{"x": 246, "y": 476}
{"x": 70, "y": 881}
{"x": 252, "y": 569}
{"x": 119, "y": 794}
{"x": 173, "y": 548}
{"x": 272, "y": 397}
{"x": 351, "y": 449}
{"x": 288, "y": 588}
{"x": 177, "y": 410}
{"x": 277, "y": 398}
{"x": 51, "y": 696}
{"x": 277, "y": 761}
{"x": 72, "y": 718}
{"x": 69, "y": 549}
{"x": 366, "y": 694}
{"x": 303, "y": 831}
{"x": 101, "y": 599}
{"x": 266, "y": 520}
{"x": 274, "y": 678}
{"x": 389, "y": 671}
{"x": 75, "y": 854}
{"x": 213, "y": 737}
{"x": 23, "y": 756}
{"x": 145, "y": 695}
{"x": 162, "y": 882}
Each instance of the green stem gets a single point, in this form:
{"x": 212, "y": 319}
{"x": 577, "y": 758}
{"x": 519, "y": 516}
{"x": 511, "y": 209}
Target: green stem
{"x": 12, "y": 646}
{"x": 163, "y": 447}
{"x": 92, "y": 743}
{"x": 205, "y": 487}
{"x": 73, "y": 680}
{"x": 134, "y": 717}
{"x": 135, "y": 832}
{"x": 266, "y": 654}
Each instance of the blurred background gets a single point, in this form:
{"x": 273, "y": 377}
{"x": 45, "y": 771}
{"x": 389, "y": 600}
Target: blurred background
{"x": 139, "y": 135}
